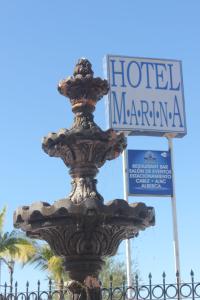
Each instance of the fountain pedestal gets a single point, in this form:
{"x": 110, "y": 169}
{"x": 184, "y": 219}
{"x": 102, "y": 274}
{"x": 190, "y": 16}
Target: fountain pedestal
{"x": 81, "y": 228}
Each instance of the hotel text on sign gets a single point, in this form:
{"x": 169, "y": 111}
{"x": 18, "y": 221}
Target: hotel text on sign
{"x": 146, "y": 96}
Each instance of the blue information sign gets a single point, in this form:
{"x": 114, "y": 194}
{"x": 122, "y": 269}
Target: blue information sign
{"x": 149, "y": 173}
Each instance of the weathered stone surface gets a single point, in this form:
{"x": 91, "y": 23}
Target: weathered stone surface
{"x": 82, "y": 85}
{"x": 84, "y": 146}
{"x": 84, "y": 234}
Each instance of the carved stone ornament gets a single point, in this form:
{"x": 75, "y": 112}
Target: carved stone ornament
{"x": 81, "y": 228}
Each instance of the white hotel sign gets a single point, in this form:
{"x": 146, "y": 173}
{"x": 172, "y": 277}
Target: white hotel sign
{"x": 146, "y": 96}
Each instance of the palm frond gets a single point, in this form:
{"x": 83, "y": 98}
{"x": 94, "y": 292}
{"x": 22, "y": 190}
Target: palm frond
{"x": 16, "y": 246}
{"x": 41, "y": 257}
{"x": 7, "y": 241}
{"x": 2, "y": 218}
{"x": 45, "y": 259}
{"x": 24, "y": 253}
{"x": 55, "y": 267}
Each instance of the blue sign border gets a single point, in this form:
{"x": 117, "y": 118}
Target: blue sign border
{"x": 149, "y": 173}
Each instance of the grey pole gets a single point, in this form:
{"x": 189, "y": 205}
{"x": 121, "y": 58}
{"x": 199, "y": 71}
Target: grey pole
{"x": 174, "y": 211}
{"x": 128, "y": 245}
{"x": 11, "y": 266}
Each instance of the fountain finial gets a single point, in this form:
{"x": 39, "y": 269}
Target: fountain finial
{"x": 83, "y": 68}
{"x": 82, "y": 86}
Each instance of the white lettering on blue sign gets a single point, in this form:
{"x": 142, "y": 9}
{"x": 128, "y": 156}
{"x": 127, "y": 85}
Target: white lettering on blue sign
{"x": 149, "y": 173}
{"x": 146, "y": 95}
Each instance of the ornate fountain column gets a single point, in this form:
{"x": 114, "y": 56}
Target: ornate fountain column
{"x": 81, "y": 228}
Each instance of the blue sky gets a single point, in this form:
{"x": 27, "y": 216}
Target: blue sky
{"x": 40, "y": 43}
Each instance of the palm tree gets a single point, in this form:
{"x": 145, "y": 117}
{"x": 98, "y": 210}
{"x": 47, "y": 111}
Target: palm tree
{"x": 45, "y": 259}
{"x": 114, "y": 271}
{"x": 14, "y": 246}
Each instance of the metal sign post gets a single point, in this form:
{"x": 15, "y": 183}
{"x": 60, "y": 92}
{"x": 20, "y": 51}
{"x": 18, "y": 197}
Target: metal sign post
{"x": 174, "y": 213}
{"x": 128, "y": 242}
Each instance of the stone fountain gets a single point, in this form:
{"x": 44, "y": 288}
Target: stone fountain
{"x": 81, "y": 228}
